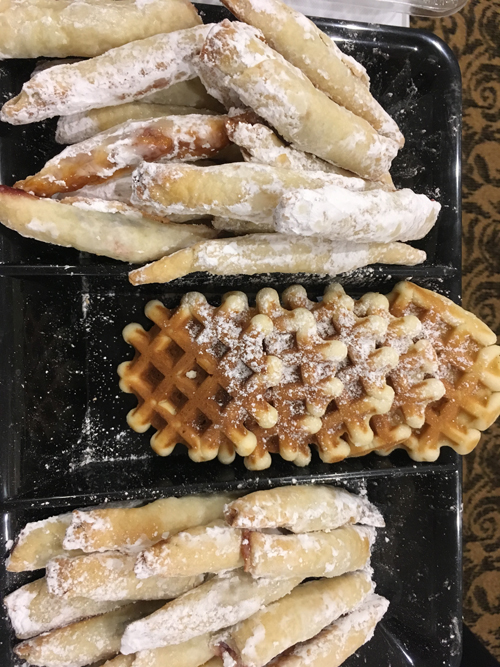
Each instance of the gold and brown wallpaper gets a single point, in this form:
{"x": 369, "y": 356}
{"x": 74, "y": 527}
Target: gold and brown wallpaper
{"x": 474, "y": 36}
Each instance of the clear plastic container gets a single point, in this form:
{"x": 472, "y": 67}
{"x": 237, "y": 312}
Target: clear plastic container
{"x": 432, "y": 8}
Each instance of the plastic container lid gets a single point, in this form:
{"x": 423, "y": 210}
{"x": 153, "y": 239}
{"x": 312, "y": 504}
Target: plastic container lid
{"x": 431, "y": 8}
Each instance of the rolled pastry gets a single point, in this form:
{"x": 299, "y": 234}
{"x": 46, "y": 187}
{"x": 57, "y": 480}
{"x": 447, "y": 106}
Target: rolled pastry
{"x": 192, "y": 653}
{"x": 335, "y": 213}
{"x": 319, "y": 554}
{"x": 61, "y": 28}
{"x": 114, "y": 189}
{"x": 32, "y": 609}
{"x": 212, "y": 548}
{"x": 81, "y": 126}
{"x": 117, "y": 151}
{"x": 190, "y": 93}
{"x": 216, "y": 86}
{"x": 260, "y": 144}
{"x": 333, "y": 645}
{"x": 121, "y": 75}
{"x": 303, "y": 44}
{"x": 110, "y": 576}
{"x": 284, "y": 96}
{"x": 134, "y": 528}
{"x": 39, "y": 541}
{"x": 295, "y": 618}
{"x": 301, "y": 509}
{"x": 93, "y": 226}
{"x": 85, "y": 642}
{"x": 216, "y": 604}
{"x": 267, "y": 253}
{"x": 240, "y": 190}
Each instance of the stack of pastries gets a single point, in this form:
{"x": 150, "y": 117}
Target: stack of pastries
{"x": 201, "y": 580}
{"x": 259, "y": 133}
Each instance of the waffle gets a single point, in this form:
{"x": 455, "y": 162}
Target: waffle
{"x": 349, "y": 377}
{"x": 468, "y": 365}
{"x": 202, "y": 376}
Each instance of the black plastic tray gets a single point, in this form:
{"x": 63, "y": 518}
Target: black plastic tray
{"x": 64, "y": 439}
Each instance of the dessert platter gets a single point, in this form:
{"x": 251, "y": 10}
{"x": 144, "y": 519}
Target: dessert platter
{"x": 236, "y": 379}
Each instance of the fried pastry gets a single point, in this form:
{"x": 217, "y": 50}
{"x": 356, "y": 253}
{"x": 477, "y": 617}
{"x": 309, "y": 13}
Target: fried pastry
{"x": 216, "y": 604}
{"x": 120, "y": 75}
{"x": 297, "y": 617}
{"x": 213, "y": 548}
{"x": 192, "y": 653}
{"x": 83, "y": 642}
{"x": 81, "y": 126}
{"x": 117, "y": 151}
{"x": 317, "y": 554}
{"x": 190, "y": 93}
{"x": 120, "y": 661}
{"x": 334, "y": 212}
{"x": 38, "y": 542}
{"x": 240, "y": 190}
{"x": 304, "y": 45}
{"x": 33, "y": 610}
{"x": 118, "y": 232}
{"x": 301, "y": 509}
{"x": 468, "y": 365}
{"x": 61, "y": 28}
{"x": 285, "y": 98}
{"x": 337, "y": 642}
{"x": 110, "y": 576}
{"x": 268, "y": 253}
{"x": 135, "y": 528}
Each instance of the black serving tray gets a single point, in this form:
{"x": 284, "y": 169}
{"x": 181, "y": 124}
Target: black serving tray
{"x": 64, "y": 439}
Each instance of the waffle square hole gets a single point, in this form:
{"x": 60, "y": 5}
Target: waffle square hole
{"x": 201, "y": 422}
{"x": 153, "y": 376}
{"x": 177, "y": 399}
{"x": 197, "y": 375}
{"x": 222, "y": 398}
{"x": 174, "y": 352}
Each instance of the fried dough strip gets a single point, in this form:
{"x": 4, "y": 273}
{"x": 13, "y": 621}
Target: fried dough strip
{"x": 284, "y": 96}
{"x": 132, "y": 528}
{"x": 301, "y": 509}
{"x": 317, "y": 554}
{"x": 89, "y": 225}
{"x": 117, "y": 151}
{"x": 267, "y": 253}
{"x": 110, "y": 576}
{"x": 61, "y": 28}
{"x": 120, "y": 75}
{"x": 303, "y": 44}
{"x": 81, "y": 126}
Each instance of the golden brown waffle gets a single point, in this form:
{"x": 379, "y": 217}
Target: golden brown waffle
{"x": 202, "y": 376}
{"x": 346, "y": 376}
{"x": 468, "y": 365}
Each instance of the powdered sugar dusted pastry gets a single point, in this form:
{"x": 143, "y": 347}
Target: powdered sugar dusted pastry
{"x": 337, "y": 642}
{"x": 295, "y": 618}
{"x": 242, "y": 191}
{"x": 118, "y": 150}
{"x": 192, "y": 653}
{"x": 216, "y": 604}
{"x": 260, "y": 144}
{"x": 117, "y": 189}
{"x": 335, "y": 213}
{"x": 110, "y": 576}
{"x": 120, "y": 661}
{"x": 32, "y": 609}
{"x": 134, "y": 528}
{"x": 284, "y": 96}
{"x": 303, "y": 44}
{"x": 39, "y": 541}
{"x": 214, "y": 82}
{"x": 120, "y": 75}
{"x": 267, "y": 253}
{"x": 83, "y": 642}
{"x": 212, "y": 548}
{"x": 301, "y": 509}
{"x": 95, "y": 226}
{"x": 81, "y": 126}
{"x": 319, "y": 554}
{"x": 60, "y": 28}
